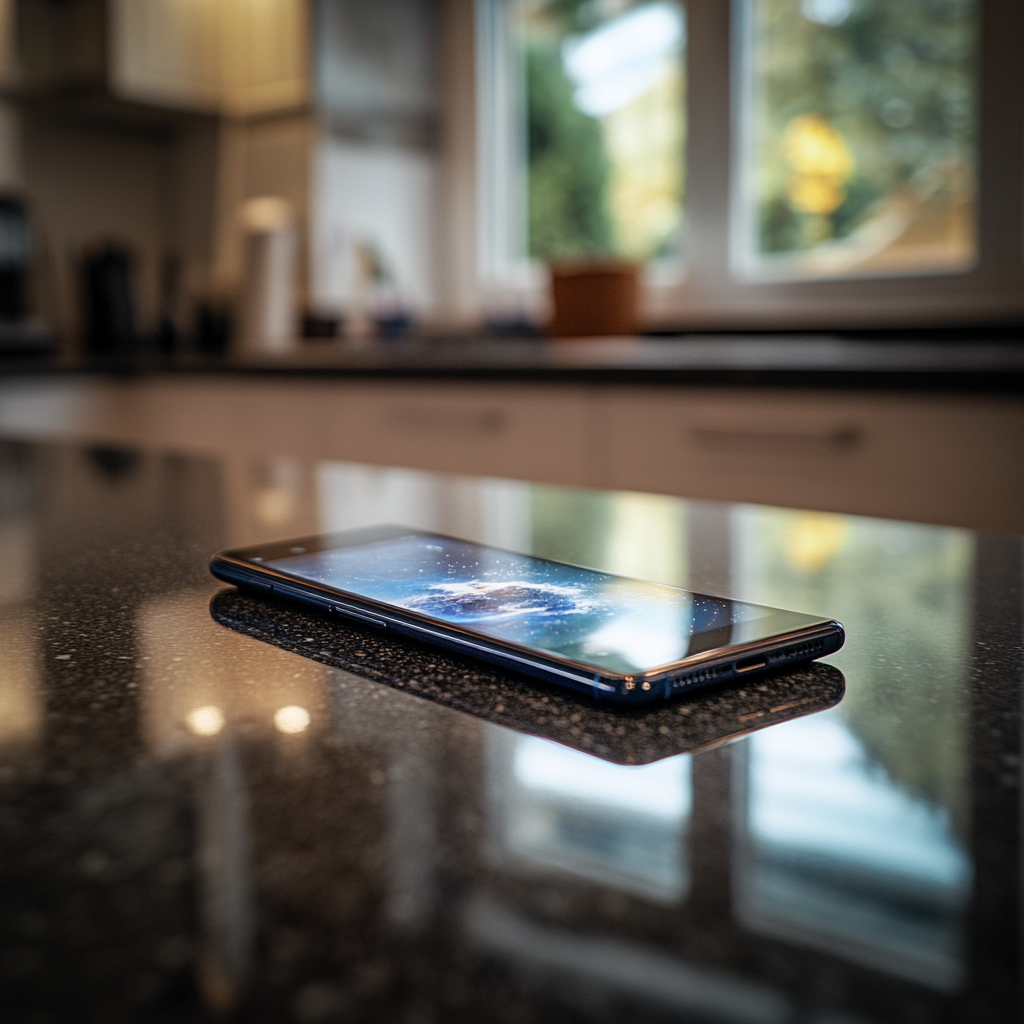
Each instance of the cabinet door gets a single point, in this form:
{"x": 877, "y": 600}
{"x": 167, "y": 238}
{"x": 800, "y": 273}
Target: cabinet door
{"x": 167, "y": 52}
{"x": 265, "y": 56}
{"x": 232, "y": 55}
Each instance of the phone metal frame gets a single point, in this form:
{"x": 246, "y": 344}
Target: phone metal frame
{"x": 242, "y": 567}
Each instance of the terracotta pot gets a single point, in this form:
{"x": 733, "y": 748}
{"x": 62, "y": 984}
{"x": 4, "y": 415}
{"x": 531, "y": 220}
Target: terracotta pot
{"x": 594, "y": 299}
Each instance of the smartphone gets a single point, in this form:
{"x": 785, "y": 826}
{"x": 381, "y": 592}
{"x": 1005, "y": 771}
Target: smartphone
{"x": 612, "y": 637}
{"x": 695, "y": 722}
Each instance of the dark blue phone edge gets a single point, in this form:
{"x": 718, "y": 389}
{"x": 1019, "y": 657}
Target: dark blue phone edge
{"x": 808, "y": 644}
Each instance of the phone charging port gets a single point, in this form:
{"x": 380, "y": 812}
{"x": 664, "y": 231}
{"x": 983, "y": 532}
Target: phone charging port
{"x": 749, "y": 664}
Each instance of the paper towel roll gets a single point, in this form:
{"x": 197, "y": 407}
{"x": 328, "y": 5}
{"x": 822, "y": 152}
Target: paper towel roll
{"x": 267, "y": 310}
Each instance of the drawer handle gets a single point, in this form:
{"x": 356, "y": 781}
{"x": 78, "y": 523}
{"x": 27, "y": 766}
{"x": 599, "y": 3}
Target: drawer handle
{"x": 449, "y": 421}
{"x": 842, "y": 440}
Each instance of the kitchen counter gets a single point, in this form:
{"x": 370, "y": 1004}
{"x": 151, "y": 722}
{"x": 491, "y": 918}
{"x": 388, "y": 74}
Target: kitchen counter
{"x": 213, "y": 807}
{"x": 982, "y": 363}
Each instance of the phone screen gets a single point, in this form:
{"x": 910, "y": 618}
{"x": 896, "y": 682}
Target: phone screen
{"x": 611, "y": 622}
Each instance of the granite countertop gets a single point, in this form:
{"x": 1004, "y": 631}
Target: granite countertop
{"x": 214, "y": 807}
{"x": 966, "y": 363}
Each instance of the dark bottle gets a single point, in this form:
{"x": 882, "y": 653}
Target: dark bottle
{"x": 15, "y": 255}
{"x": 109, "y": 302}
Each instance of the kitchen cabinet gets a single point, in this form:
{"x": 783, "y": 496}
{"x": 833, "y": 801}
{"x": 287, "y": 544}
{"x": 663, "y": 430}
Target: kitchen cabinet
{"x": 234, "y": 57}
{"x": 944, "y": 458}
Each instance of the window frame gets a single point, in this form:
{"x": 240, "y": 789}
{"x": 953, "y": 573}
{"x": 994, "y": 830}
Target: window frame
{"x": 706, "y": 292}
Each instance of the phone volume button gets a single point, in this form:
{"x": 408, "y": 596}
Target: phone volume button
{"x": 348, "y": 613}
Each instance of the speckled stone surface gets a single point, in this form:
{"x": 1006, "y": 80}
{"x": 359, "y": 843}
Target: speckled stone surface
{"x": 216, "y": 808}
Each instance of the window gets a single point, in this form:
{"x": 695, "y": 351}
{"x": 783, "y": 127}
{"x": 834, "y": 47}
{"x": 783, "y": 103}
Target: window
{"x": 857, "y": 135}
{"x": 605, "y": 126}
{"x": 777, "y": 163}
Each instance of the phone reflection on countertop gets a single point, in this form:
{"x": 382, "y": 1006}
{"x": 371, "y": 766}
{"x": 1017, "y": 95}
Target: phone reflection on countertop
{"x": 686, "y": 724}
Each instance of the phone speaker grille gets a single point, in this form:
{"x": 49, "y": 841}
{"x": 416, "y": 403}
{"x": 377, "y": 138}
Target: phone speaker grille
{"x": 796, "y": 652}
{"x": 706, "y": 675}
{"x": 804, "y": 650}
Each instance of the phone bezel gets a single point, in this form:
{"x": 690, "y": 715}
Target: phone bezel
{"x": 247, "y": 566}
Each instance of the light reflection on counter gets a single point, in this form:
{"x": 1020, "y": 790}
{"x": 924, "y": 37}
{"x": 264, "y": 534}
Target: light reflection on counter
{"x": 273, "y": 497}
{"x": 185, "y": 696}
{"x": 205, "y": 721}
{"x": 21, "y": 703}
{"x": 836, "y": 855}
{"x": 852, "y": 837}
{"x": 622, "y": 826}
{"x": 641, "y": 535}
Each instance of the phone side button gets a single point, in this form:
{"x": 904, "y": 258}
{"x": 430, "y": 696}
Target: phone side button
{"x": 358, "y": 617}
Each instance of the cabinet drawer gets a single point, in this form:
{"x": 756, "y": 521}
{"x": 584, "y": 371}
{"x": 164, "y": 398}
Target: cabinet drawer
{"x": 946, "y": 459}
{"x": 525, "y": 432}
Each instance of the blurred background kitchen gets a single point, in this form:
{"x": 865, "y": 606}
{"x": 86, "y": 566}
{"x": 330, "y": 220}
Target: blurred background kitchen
{"x": 399, "y": 193}
{"x": 786, "y": 163}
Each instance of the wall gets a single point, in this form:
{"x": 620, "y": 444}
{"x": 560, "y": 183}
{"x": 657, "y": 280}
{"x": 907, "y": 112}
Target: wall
{"x": 87, "y": 185}
{"x": 379, "y": 194}
{"x": 375, "y": 172}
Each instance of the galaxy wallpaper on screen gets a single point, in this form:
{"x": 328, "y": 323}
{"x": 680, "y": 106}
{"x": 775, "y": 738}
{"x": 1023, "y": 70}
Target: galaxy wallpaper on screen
{"x": 614, "y": 623}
